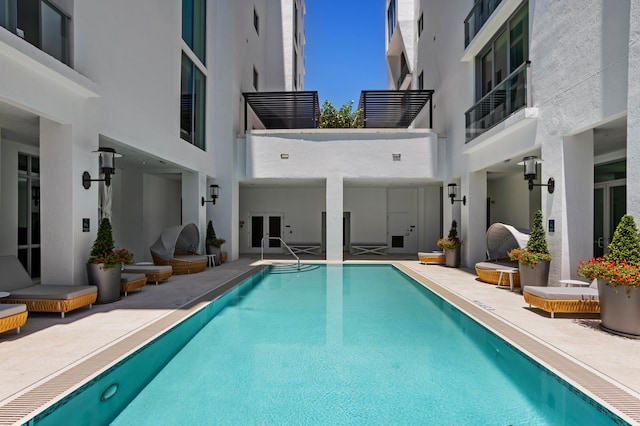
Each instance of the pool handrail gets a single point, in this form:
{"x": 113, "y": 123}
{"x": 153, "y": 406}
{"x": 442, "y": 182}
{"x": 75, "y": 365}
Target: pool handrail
{"x": 285, "y": 244}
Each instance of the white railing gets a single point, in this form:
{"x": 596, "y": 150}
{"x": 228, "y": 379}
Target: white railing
{"x": 283, "y": 243}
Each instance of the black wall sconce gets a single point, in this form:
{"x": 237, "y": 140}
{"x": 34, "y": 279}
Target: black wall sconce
{"x": 107, "y": 165}
{"x": 453, "y": 192}
{"x": 213, "y": 193}
{"x": 531, "y": 174}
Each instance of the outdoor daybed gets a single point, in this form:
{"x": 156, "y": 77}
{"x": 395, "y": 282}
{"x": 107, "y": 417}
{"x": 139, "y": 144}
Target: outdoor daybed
{"x": 154, "y": 273}
{"x": 501, "y": 239}
{"x": 130, "y": 282}
{"x": 432, "y": 258}
{"x": 178, "y": 246}
{"x": 41, "y": 297}
{"x": 12, "y": 316}
{"x": 563, "y": 299}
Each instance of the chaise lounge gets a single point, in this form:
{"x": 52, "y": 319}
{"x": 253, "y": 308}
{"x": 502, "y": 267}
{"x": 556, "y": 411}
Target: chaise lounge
{"x": 501, "y": 239}
{"x": 41, "y": 297}
{"x": 178, "y": 246}
{"x": 154, "y": 273}
{"x": 12, "y": 316}
{"x": 573, "y": 300}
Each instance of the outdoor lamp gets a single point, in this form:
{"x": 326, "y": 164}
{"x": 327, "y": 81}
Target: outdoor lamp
{"x": 453, "y": 192}
{"x": 530, "y": 174}
{"x": 213, "y": 193}
{"x": 107, "y": 165}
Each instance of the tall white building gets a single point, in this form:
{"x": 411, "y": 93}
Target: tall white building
{"x": 555, "y": 80}
{"x": 159, "y": 82}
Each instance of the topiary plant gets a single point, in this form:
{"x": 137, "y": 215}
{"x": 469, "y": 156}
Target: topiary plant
{"x": 537, "y": 249}
{"x": 103, "y": 245}
{"x": 625, "y": 244}
{"x": 537, "y": 239}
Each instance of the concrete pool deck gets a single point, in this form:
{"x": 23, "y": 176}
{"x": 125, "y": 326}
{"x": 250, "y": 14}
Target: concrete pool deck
{"x": 49, "y": 345}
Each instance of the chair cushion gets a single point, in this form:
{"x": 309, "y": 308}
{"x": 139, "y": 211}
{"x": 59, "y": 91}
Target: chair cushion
{"x": 53, "y": 292}
{"x": 497, "y": 265}
{"x": 126, "y": 278}
{"x": 11, "y": 309}
{"x": 146, "y": 269}
{"x": 562, "y": 293}
{"x": 191, "y": 258}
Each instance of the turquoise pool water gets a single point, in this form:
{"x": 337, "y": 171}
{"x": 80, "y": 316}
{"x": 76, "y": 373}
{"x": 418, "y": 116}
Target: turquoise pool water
{"x": 352, "y": 344}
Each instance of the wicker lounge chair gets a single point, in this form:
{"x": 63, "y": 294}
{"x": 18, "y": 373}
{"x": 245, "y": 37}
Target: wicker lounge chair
{"x": 41, "y": 297}
{"x": 563, "y": 299}
{"x": 178, "y": 246}
{"x": 433, "y": 258}
{"x": 12, "y": 316}
{"x": 501, "y": 239}
{"x": 154, "y": 273}
{"x": 130, "y": 282}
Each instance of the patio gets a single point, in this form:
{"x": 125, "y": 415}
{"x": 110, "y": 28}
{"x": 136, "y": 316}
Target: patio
{"x": 50, "y": 345}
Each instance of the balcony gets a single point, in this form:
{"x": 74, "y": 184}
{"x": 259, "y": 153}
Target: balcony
{"x": 383, "y": 109}
{"x": 506, "y": 98}
{"x": 480, "y": 13}
{"x": 39, "y": 23}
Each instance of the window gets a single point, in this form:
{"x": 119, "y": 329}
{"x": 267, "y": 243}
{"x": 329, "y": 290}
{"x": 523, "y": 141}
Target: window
{"x": 39, "y": 23}
{"x": 194, "y": 26}
{"x": 295, "y": 21}
{"x": 192, "y": 103}
{"x": 421, "y": 80}
{"x": 391, "y": 18}
{"x": 256, "y": 21}
{"x": 506, "y": 52}
{"x": 255, "y": 78}
{"x": 29, "y": 213}
{"x": 295, "y": 69}
{"x": 420, "y": 25}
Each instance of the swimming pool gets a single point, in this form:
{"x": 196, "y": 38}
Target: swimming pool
{"x": 336, "y": 344}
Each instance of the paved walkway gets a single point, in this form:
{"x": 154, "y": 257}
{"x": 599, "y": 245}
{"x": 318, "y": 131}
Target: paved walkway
{"x": 49, "y": 344}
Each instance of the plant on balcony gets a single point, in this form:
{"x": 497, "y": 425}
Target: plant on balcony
{"x": 343, "y": 118}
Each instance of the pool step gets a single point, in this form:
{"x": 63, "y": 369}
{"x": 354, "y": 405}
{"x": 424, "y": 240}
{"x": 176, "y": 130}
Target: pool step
{"x": 291, "y": 268}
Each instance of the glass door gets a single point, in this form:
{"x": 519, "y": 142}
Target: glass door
{"x": 265, "y": 231}
{"x": 29, "y": 213}
{"x": 610, "y": 204}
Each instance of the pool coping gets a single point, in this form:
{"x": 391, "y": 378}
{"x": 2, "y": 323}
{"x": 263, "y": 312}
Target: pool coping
{"x": 25, "y": 405}
{"x": 602, "y": 389}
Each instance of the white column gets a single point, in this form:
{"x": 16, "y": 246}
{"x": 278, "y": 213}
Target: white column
{"x": 574, "y": 229}
{"x": 194, "y": 187}
{"x": 65, "y": 153}
{"x": 473, "y": 229}
{"x": 633, "y": 113}
{"x": 335, "y": 208}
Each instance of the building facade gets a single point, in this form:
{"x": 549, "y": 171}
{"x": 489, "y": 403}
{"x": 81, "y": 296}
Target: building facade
{"x": 554, "y": 80}
{"x": 159, "y": 82}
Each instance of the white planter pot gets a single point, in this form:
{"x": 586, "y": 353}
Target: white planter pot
{"x": 619, "y": 309}
{"x": 107, "y": 281}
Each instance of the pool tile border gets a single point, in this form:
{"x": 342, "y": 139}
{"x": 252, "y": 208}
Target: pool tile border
{"x": 618, "y": 400}
{"x": 51, "y": 390}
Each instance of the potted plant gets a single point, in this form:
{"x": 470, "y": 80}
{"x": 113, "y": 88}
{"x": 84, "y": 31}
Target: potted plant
{"x": 105, "y": 264}
{"x": 451, "y": 246}
{"x": 618, "y": 275}
{"x": 214, "y": 244}
{"x": 534, "y": 259}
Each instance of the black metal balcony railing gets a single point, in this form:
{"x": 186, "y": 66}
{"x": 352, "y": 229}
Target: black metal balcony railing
{"x": 480, "y": 13}
{"x": 506, "y": 98}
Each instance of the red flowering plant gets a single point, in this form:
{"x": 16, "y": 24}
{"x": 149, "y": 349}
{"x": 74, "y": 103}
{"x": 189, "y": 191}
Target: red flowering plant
{"x": 103, "y": 252}
{"x": 621, "y": 265}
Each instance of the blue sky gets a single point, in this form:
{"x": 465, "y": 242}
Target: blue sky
{"x": 344, "y": 53}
